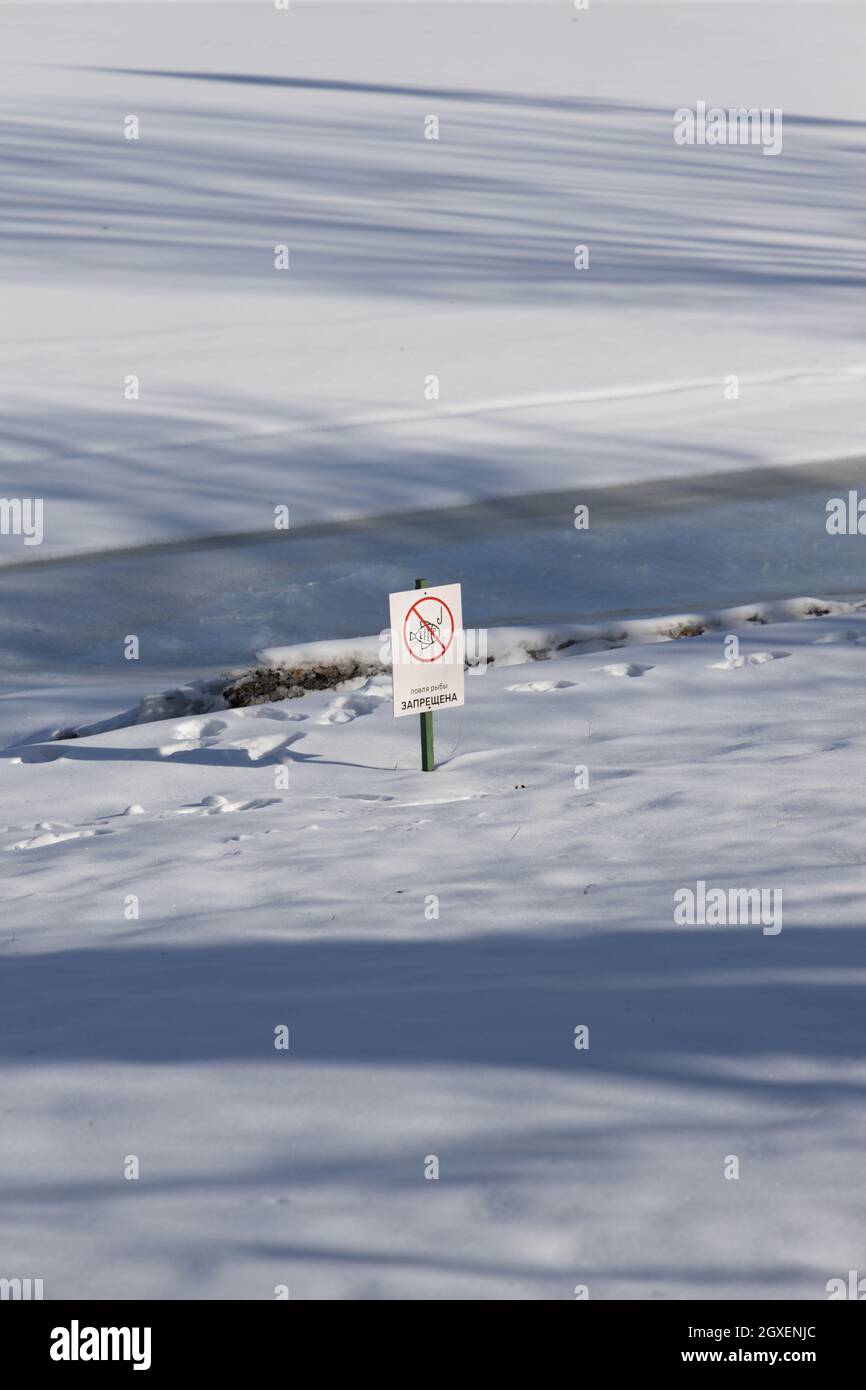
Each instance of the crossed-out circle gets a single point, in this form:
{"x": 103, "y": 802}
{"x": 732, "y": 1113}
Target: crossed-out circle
{"x": 428, "y": 632}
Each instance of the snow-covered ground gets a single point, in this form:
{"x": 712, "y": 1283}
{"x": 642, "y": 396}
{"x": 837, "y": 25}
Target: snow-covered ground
{"x": 308, "y": 905}
{"x": 177, "y": 889}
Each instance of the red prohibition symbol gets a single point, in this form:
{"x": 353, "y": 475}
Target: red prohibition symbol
{"x": 428, "y": 635}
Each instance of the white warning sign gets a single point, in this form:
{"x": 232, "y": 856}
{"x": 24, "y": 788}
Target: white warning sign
{"x": 427, "y": 645}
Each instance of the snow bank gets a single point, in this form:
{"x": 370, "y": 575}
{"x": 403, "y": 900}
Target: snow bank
{"x": 290, "y": 672}
{"x": 509, "y": 646}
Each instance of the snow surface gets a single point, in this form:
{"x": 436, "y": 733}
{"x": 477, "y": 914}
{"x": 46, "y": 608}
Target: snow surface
{"x": 452, "y": 1036}
{"x": 410, "y": 257}
{"x": 411, "y": 1034}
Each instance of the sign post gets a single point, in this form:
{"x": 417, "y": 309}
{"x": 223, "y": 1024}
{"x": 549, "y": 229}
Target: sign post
{"x": 428, "y": 760}
{"x": 427, "y": 655}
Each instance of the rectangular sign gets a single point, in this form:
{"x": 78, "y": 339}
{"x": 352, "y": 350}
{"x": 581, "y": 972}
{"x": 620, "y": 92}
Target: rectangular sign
{"x": 427, "y": 644}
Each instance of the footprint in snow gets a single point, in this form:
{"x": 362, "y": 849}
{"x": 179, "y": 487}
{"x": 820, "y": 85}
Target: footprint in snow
{"x": 269, "y": 712}
{"x": 735, "y": 663}
{"x": 199, "y": 729}
{"x": 542, "y": 687}
{"x": 347, "y": 707}
{"x": 261, "y": 748}
{"x": 39, "y": 753}
{"x": 266, "y": 746}
{"x": 363, "y": 796}
{"x": 220, "y": 805}
{"x": 193, "y": 734}
{"x": 625, "y": 668}
{"x": 57, "y": 837}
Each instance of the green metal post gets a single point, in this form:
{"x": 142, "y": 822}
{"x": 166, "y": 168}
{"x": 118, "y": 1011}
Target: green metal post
{"x": 427, "y": 759}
